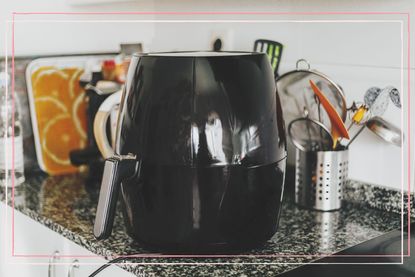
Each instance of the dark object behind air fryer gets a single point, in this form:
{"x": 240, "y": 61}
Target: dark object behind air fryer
{"x": 90, "y": 155}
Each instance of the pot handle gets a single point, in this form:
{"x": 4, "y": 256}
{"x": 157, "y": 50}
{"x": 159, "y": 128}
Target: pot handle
{"x": 118, "y": 168}
{"x": 100, "y": 124}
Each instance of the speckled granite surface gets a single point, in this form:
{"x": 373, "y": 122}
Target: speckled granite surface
{"x": 379, "y": 197}
{"x": 65, "y": 206}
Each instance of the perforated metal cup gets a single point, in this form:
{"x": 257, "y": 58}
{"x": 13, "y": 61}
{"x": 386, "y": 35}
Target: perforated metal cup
{"x": 320, "y": 179}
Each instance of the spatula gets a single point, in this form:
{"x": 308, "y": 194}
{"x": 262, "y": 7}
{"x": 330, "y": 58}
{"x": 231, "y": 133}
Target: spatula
{"x": 338, "y": 129}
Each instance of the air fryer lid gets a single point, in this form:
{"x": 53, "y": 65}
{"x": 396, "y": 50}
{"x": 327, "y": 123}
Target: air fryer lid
{"x": 202, "y": 108}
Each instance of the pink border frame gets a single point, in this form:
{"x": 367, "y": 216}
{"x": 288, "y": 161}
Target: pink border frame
{"x": 221, "y": 13}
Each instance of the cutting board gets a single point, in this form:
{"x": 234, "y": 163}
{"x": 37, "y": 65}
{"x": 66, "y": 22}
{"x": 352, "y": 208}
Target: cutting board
{"x": 58, "y": 109}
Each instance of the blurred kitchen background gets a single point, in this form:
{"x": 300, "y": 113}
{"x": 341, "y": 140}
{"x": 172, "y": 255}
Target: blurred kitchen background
{"x": 356, "y": 51}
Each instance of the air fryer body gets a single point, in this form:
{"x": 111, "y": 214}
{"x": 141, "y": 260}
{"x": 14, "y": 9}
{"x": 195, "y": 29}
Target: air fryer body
{"x": 209, "y": 135}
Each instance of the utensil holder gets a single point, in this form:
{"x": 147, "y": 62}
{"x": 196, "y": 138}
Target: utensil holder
{"x": 320, "y": 178}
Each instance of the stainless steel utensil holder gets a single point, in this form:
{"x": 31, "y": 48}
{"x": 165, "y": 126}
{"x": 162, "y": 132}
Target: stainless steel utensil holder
{"x": 320, "y": 178}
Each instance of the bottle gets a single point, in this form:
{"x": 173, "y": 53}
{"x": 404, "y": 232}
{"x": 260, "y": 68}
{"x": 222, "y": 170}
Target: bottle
{"x": 8, "y": 130}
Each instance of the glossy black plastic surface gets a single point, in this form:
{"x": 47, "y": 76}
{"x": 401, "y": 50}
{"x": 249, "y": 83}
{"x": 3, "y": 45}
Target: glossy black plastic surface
{"x": 209, "y": 134}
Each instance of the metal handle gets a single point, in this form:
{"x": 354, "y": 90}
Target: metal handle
{"x": 74, "y": 265}
{"x": 302, "y": 61}
{"x": 51, "y": 267}
{"x": 116, "y": 169}
{"x": 100, "y": 124}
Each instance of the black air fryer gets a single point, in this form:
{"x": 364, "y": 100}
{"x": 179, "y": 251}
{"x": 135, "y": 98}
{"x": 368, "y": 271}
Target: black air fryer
{"x": 200, "y": 153}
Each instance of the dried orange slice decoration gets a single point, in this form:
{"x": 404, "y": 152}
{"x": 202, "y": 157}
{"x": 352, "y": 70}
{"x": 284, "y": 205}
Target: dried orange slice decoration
{"x": 74, "y": 89}
{"x": 59, "y": 138}
{"x": 79, "y": 115}
{"x": 48, "y": 107}
{"x": 46, "y": 72}
{"x": 61, "y": 116}
{"x": 52, "y": 82}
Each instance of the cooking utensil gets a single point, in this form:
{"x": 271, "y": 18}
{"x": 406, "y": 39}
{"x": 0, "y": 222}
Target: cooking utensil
{"x": 395, "y": 96}
{"x": 378, "y": 99}
{"x": 370, "y": 95}
{"x": 338, "y": 129}
{"x": 360, "y": 115}
{"x": 295, "y": 93}
{"x": 191, "y": 164}
{"x": 384, "y": 129}
{"x": 320, "y": 178}
{"x": 273, "y": 50}
{"x": 309, "y": 135}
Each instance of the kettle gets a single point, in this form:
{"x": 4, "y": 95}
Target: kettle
{"x": 199, "y": 153}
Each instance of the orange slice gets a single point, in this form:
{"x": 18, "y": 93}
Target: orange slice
{"x": 79, "y": 108}
{"x": 73, "y": 84}
{"x": 61, "y": 106}
{"x": 40, "y": 70}
{"x": 46, "y": 77}
{"x": 59, "y": 138}
{"x": 48, "y": 107}
{"x": 52, "y": 82}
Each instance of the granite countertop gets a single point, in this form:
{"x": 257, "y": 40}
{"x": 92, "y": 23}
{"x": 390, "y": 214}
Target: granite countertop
{"x": 65, "y": 205}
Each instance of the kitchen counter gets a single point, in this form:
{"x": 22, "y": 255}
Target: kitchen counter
{"x": 66, "y": 206}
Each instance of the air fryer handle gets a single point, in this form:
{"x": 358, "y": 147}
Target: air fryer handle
{"x": 116, "y": 170}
